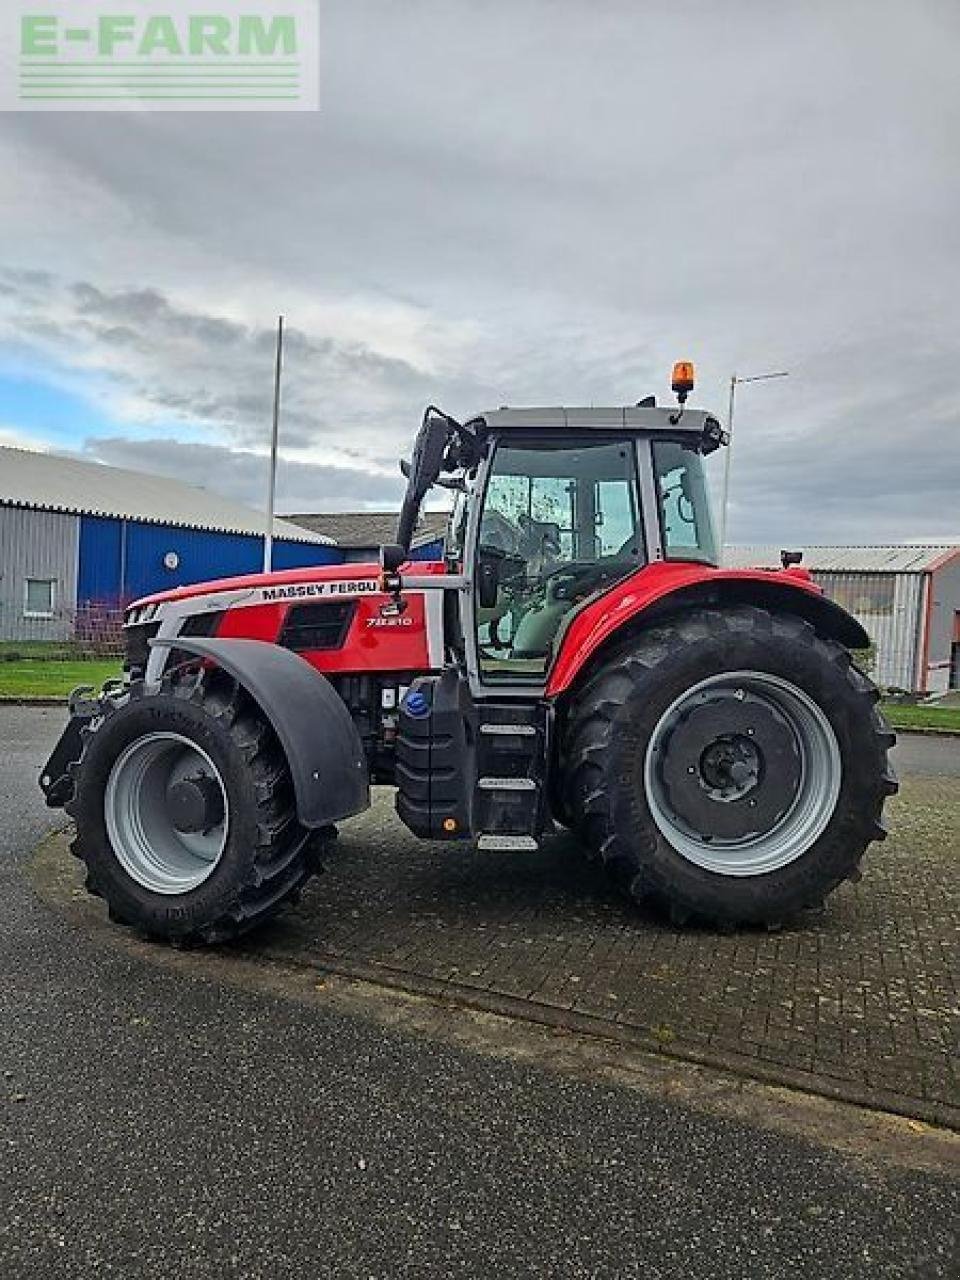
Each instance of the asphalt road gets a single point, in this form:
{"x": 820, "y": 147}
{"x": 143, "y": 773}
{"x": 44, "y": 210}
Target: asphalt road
{"x": 154, "y": 1124}
{"x": 927, "y": 755}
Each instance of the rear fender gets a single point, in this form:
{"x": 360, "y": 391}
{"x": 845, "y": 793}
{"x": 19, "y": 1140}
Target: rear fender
{"x": 319, "y": 739}
{"x": 667, "y": 588}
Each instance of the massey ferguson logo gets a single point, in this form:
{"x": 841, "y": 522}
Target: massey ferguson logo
{"x": 311, "y": 590}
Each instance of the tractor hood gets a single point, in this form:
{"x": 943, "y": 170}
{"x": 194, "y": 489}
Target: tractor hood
{"x": 290, "y": 584}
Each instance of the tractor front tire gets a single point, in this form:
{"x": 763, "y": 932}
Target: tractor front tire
{"x": 731, "y": 765}
{"x": 185, "y": 814}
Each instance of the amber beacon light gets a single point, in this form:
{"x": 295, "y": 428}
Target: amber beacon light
{"x": 682, "y": 379}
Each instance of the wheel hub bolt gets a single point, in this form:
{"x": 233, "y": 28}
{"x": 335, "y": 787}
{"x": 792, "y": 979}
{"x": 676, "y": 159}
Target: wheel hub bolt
{"x": 195, "y": 804}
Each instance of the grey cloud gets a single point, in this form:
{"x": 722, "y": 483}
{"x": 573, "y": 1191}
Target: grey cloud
{"x": 859, "y": 451}
{"x": 586, "y": 193}
{"x": 243, "y": 476}
{"x": 212, "y": 372}
{"x": 26, "y": 278}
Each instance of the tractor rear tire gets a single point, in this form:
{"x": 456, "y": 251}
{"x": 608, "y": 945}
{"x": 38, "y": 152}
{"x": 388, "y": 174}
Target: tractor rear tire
{"x": 201, "y": 730}
{"x": 667, "y": 789}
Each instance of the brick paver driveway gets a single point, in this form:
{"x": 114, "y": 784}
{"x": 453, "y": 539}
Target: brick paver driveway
{"x": 862, "y": 1002}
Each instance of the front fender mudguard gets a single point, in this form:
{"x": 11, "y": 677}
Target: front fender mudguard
{"x": 319, "y": 739}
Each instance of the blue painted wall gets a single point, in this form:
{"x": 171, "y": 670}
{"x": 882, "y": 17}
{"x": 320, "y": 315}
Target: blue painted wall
{"x": 98, "y": 571}
{"x": 121, "y": 560}
{"x": 429, "y": 551}
{"x": 300, "y": 555}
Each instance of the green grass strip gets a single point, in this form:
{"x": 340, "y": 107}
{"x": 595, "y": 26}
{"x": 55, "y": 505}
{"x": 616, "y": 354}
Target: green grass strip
{"x": 32, "y": 679}
{"x": 906, "y": 715}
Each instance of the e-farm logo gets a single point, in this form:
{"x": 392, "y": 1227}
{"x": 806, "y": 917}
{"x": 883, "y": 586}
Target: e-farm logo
{"x": 167, "y": 55}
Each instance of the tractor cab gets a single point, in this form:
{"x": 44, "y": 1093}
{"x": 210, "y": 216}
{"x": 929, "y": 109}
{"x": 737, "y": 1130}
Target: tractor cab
{"x": 554, "y": 506}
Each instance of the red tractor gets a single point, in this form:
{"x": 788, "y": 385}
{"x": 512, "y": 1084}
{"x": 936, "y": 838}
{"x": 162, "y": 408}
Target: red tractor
{"x": 577, "y": 658}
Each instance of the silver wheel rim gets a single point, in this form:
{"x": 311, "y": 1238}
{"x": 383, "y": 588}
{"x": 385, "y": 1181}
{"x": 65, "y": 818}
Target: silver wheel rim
{"x": 142, "y": 833}
{"x": 820, "y": 773}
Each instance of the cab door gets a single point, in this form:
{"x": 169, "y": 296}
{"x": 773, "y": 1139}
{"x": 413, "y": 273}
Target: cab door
{"x": 560, "y": 521}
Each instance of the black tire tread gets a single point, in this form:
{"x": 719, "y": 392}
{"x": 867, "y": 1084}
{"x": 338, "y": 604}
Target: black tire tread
{"x": 285, "y": 855}
{"x": 630, "y": 671}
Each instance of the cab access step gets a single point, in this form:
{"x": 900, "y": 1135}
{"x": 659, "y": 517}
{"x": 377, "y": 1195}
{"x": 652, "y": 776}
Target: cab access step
{"x": 472, "y": 769}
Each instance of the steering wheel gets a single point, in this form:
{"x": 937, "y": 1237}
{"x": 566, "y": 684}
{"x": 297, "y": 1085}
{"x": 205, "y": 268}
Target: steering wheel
{"x": 560, "y": 582}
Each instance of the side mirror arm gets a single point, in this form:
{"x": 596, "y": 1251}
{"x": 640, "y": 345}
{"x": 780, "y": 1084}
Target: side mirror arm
{"x": 392, "y": 556}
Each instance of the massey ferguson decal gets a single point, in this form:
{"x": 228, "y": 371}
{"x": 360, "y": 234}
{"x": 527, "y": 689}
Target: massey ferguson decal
{"x": 311, "y": 590}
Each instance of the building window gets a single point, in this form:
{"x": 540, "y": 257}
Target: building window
{"x": 38, "y": 597}
{"x": 866, "y": 595}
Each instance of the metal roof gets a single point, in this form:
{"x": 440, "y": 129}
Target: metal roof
{"x": 895, "y": 558}
{"x": 371, "y": 528}
{"x": 51, "y": 482}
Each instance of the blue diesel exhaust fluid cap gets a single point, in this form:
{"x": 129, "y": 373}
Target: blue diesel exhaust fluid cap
{"x": 417, "y": 703}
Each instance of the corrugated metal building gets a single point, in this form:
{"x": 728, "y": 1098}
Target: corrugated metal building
{"x": 361, "y": 534}
{"x": 907, "y": 597}
{"x": 78, "y": 539}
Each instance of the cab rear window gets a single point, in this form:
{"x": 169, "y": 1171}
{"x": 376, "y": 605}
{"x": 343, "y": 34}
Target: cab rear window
{"x": 686, "y": 522}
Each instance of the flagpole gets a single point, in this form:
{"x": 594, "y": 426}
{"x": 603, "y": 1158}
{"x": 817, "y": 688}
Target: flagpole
{"x": 272, "y": 487}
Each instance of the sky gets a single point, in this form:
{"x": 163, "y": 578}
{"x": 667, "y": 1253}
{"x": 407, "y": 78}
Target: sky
{"x": 517, "y": 202}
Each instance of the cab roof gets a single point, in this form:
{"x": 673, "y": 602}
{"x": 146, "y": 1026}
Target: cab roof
{"x": 616, "y": 418}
